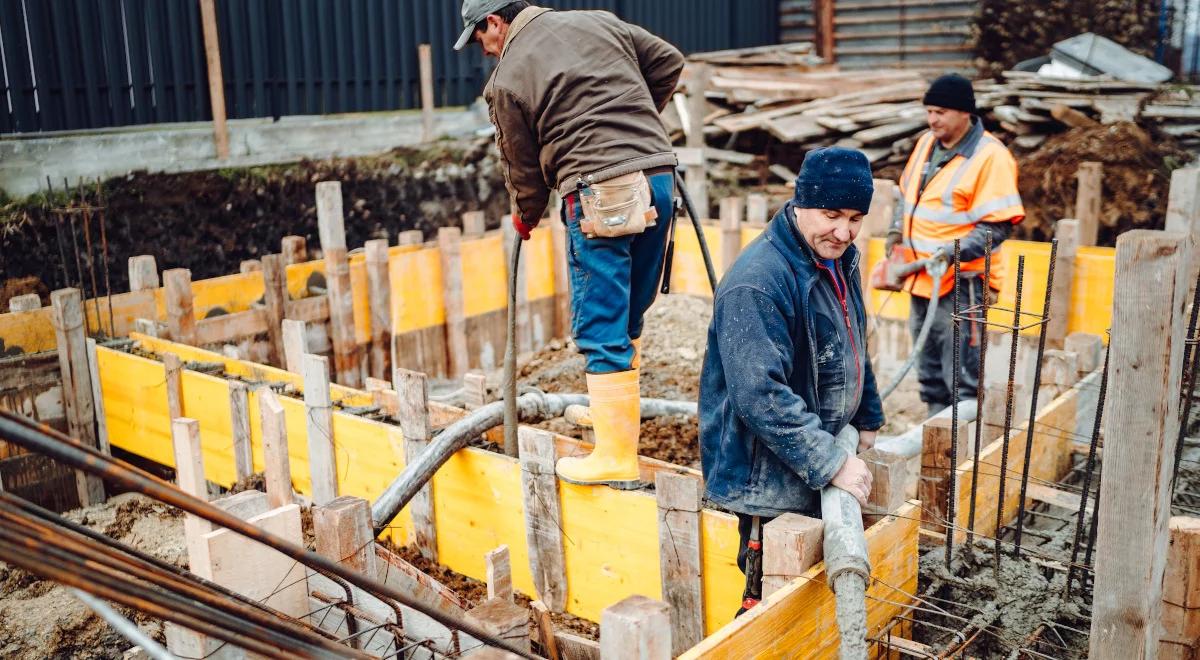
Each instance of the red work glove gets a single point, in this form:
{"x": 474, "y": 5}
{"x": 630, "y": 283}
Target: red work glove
{"x": 521, "y": 227}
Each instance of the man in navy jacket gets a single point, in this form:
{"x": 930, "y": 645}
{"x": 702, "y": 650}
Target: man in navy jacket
{"x": 786, "y": 368}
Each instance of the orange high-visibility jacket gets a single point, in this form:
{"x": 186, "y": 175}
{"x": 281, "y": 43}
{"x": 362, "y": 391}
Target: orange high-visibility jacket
{"x": 979, "y": 184}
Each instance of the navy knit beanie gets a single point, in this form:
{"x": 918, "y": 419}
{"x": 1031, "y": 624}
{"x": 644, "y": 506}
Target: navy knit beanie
{"x": 951, "y": 91}
{"x": 835, "y": 178}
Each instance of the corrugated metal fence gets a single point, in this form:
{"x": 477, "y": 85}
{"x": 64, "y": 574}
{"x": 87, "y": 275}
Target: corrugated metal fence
{"x": 74, "y": 64}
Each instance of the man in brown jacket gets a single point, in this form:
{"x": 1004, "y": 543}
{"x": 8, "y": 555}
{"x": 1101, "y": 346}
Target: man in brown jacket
{"x": 575, "y": 99}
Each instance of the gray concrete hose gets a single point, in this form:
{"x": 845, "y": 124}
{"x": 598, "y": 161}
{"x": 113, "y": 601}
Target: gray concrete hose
{"x": 847, "y": 567}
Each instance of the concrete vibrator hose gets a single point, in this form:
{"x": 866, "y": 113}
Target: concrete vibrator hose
{"x": 847, "y": 566}
{"x": 936, "y": 268}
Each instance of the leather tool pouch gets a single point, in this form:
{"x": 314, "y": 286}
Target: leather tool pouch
{"x": 617, "y": 207}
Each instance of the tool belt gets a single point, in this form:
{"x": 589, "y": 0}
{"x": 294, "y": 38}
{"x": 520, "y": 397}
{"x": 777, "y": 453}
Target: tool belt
{"x": 621, "y": 206}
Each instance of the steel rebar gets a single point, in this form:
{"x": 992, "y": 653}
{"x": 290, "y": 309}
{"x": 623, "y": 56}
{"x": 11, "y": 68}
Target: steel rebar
{"x": 112, "y": 324}
{"x": 127, "y": 629}
{"x": 1033, "y": 405}
{"x": 85, "y": 211}
{"x": 952, "y": 478}
{"x": 1191, "y": 363}
{"x": 58, "y": 231}
{"x": 1087, "y": 475}
{"x": 1008, "y": 411}
{"x": 980, "y": 388}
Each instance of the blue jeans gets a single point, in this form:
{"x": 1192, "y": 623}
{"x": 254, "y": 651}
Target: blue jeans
{"x": 615, "y": 280}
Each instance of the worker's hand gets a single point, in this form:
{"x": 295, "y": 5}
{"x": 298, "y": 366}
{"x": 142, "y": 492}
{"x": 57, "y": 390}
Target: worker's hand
{"x": 866, "y": 440}
{"x": 522, "y": 229}
{"x": 854, "y": 478}
{"x": 940, "y": 255}
{"x": 892, "y": 240}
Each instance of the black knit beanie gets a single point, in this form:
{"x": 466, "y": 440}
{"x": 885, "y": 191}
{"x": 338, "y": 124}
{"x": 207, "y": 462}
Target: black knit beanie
{"x": 835, "y": 178}
{"x": 951, "y": 91}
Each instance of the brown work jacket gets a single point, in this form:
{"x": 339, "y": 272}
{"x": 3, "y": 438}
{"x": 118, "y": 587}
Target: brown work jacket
{"x": 578, "y": 94}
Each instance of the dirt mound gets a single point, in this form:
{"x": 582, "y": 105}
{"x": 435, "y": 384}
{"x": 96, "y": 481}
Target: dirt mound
{"x": 211, "y": 221}
{"x": 1137, "y": 179}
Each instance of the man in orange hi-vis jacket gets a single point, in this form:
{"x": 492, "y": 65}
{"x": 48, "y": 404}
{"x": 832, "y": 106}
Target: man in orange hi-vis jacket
{"x": 960, "y": 183}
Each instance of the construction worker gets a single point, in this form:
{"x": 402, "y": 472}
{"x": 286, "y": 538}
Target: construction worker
{"x": 960, "y": 183}
{"x": 786, "y": 368}
{"x": 575, "y": 98}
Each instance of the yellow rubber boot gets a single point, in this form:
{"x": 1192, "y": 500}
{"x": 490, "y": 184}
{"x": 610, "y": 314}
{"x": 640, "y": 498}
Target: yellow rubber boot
{"x": 616, "y": 419}
{"x": 582, "y": 415}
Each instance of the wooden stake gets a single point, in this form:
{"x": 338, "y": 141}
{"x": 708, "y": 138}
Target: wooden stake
{"x": 499, "y": 574}
{"x": 474, "y": 224}
{"x": 379, "y": 284}
{"x": 337, "y": 276}
{"x": 697, "y": 175}
{"x": 27, "y": 303}
{"x": 295, "y": 344}
{"x": 475, "y": 389}
{"x": 791, "y": 546}
{"x": 181, "y": 318}
{"x": 278, "y": 467}
{"x": 758, "y": 210}
{"x": 67, "y": 317}
{"x": 413, "y": 388}
{"x": 543, "y": 517}
{"x": 425, "y": 62}
{"x": 1067, "y": 233}
{"x": 889, "y": 483}
{"x": 239, "y": 416}
{"x": 731, "y": 231}
{"x": 344, "y": 534}
{"x": 637, "y": 628}
{"x": 173, "y": 375}
{"x": 143, "y": 273}
{"x": 1088, "y": 201}
{"x": 826, "y": 41}
{"x": 275, "y": 296}
{"x": 97, "y": 398}
{"x": 318, "y": 404}
{"x": 541, "y": 616}
{"x": 294, "y": 249}
{"x": 410, "y": 237}
{"x": 562, "y": 281}
{"x": 678, "y": 498}
{"x": 450, "y": 245}
{"x": 1088, "y": 348}
{"x": 1141, "y": 428}
{"x": 250, "y": 266}
{"x": 216, "y": 82}
{"x": 189, "y": 476}
{"x": 1183, "y": 211}
{"x": 937, "y": 470}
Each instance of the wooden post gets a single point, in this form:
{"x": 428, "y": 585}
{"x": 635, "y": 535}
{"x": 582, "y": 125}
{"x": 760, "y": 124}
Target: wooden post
{"x": 425, "y": 62}
{"x": 275, "y": 296}
{"x": 1067, "y": 233}
{"x": 450, "y": 245}
{"x": 678, "y": 498}
{"x": 322, "y": 460}
{"x": 1181, "y": 590}
{"x": 344, "y": 534}
{"x": 697, "y": 108}
{"x": 295, "y": 344}
{"x": 413, "y": 388}
{"x": 1088, "y": 200}
{"x": 70, "y": 336}
{"x": 189, "y": 476}
{"x": 637, "y": 628}
{"x": 337, "y": 277}
{"x": 499, "y": 574}
{"x": 474, "y": 224}
{"x": 562, "y": 281}
{"x": 181, "y": 318}
{"x": 541, "y": 616}
{"x": 26, "y": 303}
{"x": 475, "y": 389}
{"x": 278, "y": 467}
{"x": 826, "y": 43}
{"x": 889, "y": 483}
{"x": 937, "y": 470}
{"x": 216, "y": 81}
{"x": 173, "y": 377}
{"x": 731, "y": 231}
{"x": 250, "y": 266}
{"x": 791, "y": 546}
{"x": 379, "y": 285}
{"x": 504, "y": 619}
{"x": 543, "y": 516}
{"x": 410, "y": 237}
{"x": 239, "y": 416}
{"x": 1183, "y": 211}
{"x": 146, "y": 327}
{"x": 294, "y": 249}
{"x": 1089, "y": 350}
{"x": 1141, "y": 428}
{"x": 758, "y": 211}
{"x": 143, "y": 273}
{"x": 97, "y": 398}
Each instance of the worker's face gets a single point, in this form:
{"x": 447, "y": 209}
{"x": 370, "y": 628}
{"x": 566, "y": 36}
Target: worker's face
{"x": 947, "y": 125}
{"x": 829, "y": 232}
{"x": 492, "y": 39}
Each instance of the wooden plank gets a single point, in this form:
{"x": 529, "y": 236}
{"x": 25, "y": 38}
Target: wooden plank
{"x": 889, "y": 484}
{"x": 637, "y": 628}
{"x": 294, "y": 249}
{"x": 1181, "y": 584}
{"x": 250, "y": 266}
{"x": 67, "y": 317}
{"x": 413, "y": 388}
{"x": 275, "y": 296}
{"x": 26, "y": 303}
{"x": 97, "y": 395}
{"x": 545, "y": 627}
{"x": 696, "y": 176}
{"x": 543, "y": 517}
{"x": 239, "y": 423}
{"x": 574, "y": 647}
{"x": 318, "y": 404}
{"x": 332, "y": 230}
{"x": 678, "y": 497}
{"x": 936, "y": 471}
{"x": 1055, "y": 497}
{"x": 181, "y": 318}
{"x": 1067, "y": 232}
{"x": 344, "y": 534}
{"x": 295, "y": 344}
{"x": 1183, "y": 211}
{"x": 278, "y": 468}
{"x": 143, "y": 273}
{"x": 731, "y": 231}
{"x": 379, "y": 293}
{"x": 450, "y": 245}
{"x": 1140, "y": 430}
{"x": 189, "y": 476}
{"x": 791, "y": 546}
{"x": 474, "y": 224}
{"x": 173, "y": 377}
{"x": 499, "y": 574}
{"x": 231, "y": 327}
{"x": 216, "y": 82}
{"x": 1089, "y": 198}
{"x": 425, "y": 62}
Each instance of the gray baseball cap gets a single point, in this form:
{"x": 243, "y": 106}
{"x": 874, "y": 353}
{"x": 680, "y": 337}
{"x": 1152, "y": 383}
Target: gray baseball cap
{"x": 474, "y": 11}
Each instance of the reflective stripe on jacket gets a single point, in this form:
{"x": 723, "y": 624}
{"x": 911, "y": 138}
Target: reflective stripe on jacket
{"x": 979, "y": 184}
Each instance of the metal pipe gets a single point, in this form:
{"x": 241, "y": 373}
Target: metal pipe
{"x": 125, "y": 627}
{"x": 45, "y": 440}
{"x": 847, "y": 566}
